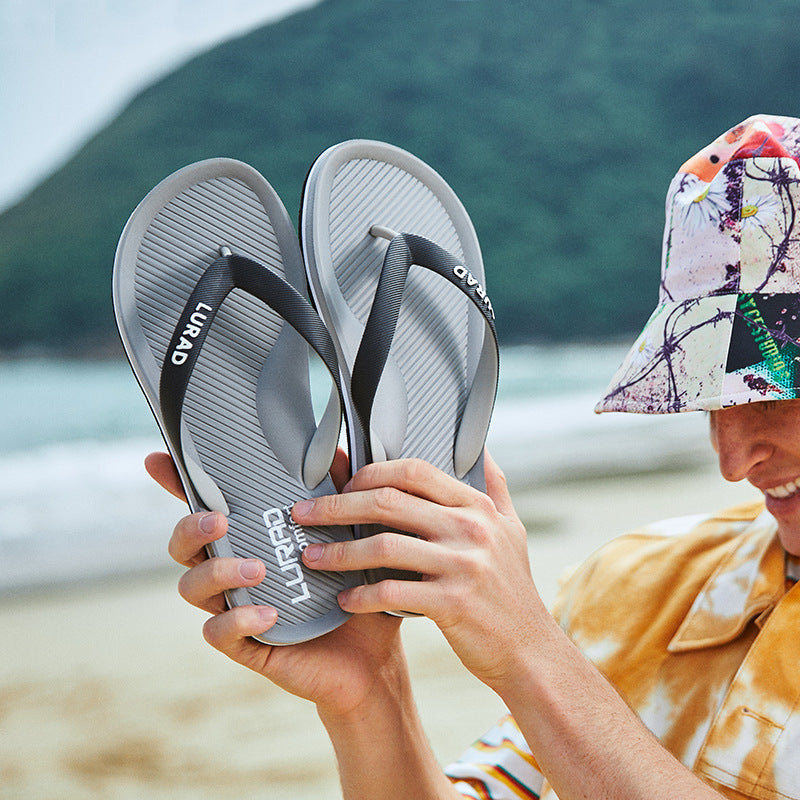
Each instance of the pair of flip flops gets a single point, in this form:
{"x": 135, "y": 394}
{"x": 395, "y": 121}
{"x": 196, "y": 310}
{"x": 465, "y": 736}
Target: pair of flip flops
{"x": 211, "y": 303}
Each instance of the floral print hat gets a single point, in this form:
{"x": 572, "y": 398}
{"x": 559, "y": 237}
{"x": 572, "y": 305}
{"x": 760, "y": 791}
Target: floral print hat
{"x": 727, "y": 327}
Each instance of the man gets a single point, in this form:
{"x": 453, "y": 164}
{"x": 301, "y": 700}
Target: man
{"x": 693, "y": 623}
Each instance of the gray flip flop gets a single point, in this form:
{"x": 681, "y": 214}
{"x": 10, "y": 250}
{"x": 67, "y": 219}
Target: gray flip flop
{"x": 206, "y": 280}
{"x": 396, "y": 273}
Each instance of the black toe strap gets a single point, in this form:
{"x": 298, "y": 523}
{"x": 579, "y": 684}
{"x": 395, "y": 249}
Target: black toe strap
{"x": 404, "y": 250}
{"x": 216, "y": 283}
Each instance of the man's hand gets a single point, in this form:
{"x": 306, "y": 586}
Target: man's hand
{"x": 337, "y": 671}
{"x": 470, "y": 548}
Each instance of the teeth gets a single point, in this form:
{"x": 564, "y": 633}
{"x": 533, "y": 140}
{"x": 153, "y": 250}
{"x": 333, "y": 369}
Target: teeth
{"x": 784, "y": 491}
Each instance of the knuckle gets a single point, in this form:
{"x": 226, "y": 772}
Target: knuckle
{"x": 387, "y": 499}
{"x": 211, "y": 632}
{"x": 414, "y": 470}
{"x": 481, "y": 569}
{"x": 179, "y": 543}
{"x": 473, "y": 566}
{"x": 184, "y": 586}
{"x": 173, "y": 550}
{"x": 484, "y": 503}
{"x": 353, "y": 598}
{"x": 453, "y": 595}
{"x": 186, "y": 545}
{"x": 217, "y": 574}
{"x": 223, "y": 629}
{"x": 475, "y": 531}
{"x": 385, "y": 546}
{"x": 367, "y": 473}
{"x": 467, "y": 566}
{"x": 500, "y": 477}
{"x": 388, "y": 593}
{"x": 207, "y": 579}
{"x": 333, "y": 505}
{"x": 335, "y": 554}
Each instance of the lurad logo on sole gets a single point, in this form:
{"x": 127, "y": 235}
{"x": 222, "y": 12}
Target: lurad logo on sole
{"x": 289, "y": 541}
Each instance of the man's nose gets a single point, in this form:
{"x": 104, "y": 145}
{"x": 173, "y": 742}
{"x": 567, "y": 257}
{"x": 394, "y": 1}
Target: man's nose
{"x": 740, "y": 440}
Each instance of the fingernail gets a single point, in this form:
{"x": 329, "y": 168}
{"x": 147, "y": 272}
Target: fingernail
{"x": 267, "y": 614}
{"x": 208, "y": 522}
{"x": 348, "y": 487}
{"x": 250, "y": 570}
{"x": 313, "y": 552}
{"x": 303, "y": 507}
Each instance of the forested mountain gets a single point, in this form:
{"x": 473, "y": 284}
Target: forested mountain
{"x": 558, "y": 124}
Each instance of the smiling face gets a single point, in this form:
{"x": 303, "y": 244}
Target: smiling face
{"x": 760, "y": 442}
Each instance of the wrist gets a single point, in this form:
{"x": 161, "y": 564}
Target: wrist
{"x": 388, "y": 693}
{"x": 380, "y": 744}
{"x": 524, "y": 652}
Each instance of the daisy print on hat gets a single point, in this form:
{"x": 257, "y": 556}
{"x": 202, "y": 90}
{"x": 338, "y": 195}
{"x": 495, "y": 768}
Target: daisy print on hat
{"x": 727, "y": 327}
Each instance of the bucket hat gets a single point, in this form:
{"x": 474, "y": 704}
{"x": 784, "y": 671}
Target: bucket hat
{"x": 726, "y": 330}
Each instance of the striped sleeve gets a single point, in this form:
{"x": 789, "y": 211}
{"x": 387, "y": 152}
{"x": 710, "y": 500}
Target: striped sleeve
{"x": 499, "y": 766}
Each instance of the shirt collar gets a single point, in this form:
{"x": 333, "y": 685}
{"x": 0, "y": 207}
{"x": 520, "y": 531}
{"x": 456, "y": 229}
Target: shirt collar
{"x": 746, "y": 583}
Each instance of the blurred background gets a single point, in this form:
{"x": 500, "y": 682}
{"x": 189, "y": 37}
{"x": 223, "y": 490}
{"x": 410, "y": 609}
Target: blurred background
{"x": 559, "y": 126}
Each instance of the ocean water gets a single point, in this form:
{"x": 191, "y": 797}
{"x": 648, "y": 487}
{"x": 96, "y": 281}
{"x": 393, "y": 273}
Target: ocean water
{"x": 75, "y": 501}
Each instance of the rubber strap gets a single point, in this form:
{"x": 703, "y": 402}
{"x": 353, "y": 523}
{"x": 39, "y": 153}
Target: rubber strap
{"x": 404, "y": 250}
{"x": 216, "y": 283}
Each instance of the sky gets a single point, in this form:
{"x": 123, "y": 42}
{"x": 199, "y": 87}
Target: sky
{"x": 69, "y": 66}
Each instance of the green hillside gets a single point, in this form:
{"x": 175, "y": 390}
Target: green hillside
{"x": 558, "y": 124}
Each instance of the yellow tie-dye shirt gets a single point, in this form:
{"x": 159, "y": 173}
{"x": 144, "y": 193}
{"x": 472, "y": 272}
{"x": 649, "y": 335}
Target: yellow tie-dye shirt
{"x": 691, "y": 620}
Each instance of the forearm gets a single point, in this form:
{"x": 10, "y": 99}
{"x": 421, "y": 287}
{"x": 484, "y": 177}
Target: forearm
{"x": 473, "y": 550}
{"x": 381, "y": 748}
{"x": 585, "y": 738}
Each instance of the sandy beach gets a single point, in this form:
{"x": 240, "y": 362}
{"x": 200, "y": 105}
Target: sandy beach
{"x": 109, "y": 690}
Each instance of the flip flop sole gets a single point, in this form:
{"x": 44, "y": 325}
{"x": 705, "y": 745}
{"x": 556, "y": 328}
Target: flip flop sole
{"x": 225, "y": 462}
{"x": 441, "y": 369}
{"x": 351, "y": 188}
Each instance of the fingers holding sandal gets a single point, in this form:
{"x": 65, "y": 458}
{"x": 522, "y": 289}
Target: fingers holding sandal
{"x": 417, "y": 597}
{"x": 204, "y": 585}
{"x": 192, "y": 534}
{"x": 386, "y": 506}
{"x": 231, "y": 633}
{"x": 393, "y": 550}
{"x": 407, "y": 495}
{"x": 415, "y": 477}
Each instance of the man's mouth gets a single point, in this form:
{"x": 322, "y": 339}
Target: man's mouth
{"x": 785, "y": 490}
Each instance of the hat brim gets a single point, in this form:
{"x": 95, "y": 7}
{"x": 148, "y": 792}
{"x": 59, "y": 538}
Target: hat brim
{"x": 709, "y": 353}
